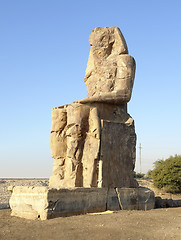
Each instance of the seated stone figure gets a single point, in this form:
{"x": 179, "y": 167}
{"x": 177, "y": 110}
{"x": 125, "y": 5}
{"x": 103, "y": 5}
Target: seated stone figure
{"x": 93, "y": 143}
{"x": 93, "y": 140}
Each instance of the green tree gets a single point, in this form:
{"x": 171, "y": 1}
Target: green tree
{"x": 158, "y": 163}
{"x": 167, "y": 174}
{"x": 149, "y": 174}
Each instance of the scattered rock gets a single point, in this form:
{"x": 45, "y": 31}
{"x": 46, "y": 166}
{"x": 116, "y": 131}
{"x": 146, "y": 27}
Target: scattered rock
{"x": 166, "y": 203}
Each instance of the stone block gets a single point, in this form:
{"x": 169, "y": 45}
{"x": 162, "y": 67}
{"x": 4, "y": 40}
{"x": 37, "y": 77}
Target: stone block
{"x": 46, "y": 203}
{"x": 130, "y": 199}
{"x": 29, "y": 202}
{"x": 117, "y": 154}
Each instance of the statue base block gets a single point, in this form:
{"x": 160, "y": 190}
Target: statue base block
{"x": 46, "y": 203}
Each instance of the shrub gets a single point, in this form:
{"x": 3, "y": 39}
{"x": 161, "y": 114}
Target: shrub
{"x": 140, "y": 175}
{"x": 167, "y": 174}
{"x": 148, "y": 174}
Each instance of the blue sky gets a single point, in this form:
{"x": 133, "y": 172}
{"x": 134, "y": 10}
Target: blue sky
{"x": 44, "y": 50}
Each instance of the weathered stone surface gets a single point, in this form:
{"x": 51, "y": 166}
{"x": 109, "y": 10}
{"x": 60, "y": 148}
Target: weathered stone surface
{"x": 96, "y": 147}
{"x": 110, "y": 70}
{"x": 165, "y": 203}
{"x": 29, "y": 202}
{"x": 46, "y": 203}
{"x": 130, "y": 199}
{"x": 76, "y": 159}
{"x": 117, "y": 154}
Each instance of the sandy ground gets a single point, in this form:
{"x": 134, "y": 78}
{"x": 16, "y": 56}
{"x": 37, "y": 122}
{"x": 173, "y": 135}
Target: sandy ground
{"x": 155, "y": 224}
{"x": 135, "y": 225}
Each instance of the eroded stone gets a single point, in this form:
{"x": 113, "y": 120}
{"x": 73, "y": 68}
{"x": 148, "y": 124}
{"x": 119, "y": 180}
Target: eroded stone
{"x": 46, "y": 203}
{"x": 97, "y": 147}
{"x": 110, "y": 70}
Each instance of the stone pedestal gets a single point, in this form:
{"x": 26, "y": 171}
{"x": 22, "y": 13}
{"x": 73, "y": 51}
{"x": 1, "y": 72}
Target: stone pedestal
{"x": 46, "y": 203}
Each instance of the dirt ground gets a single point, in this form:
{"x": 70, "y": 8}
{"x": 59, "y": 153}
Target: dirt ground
{"x": 135, "y": 225}
{"x": 123, "y": 225}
